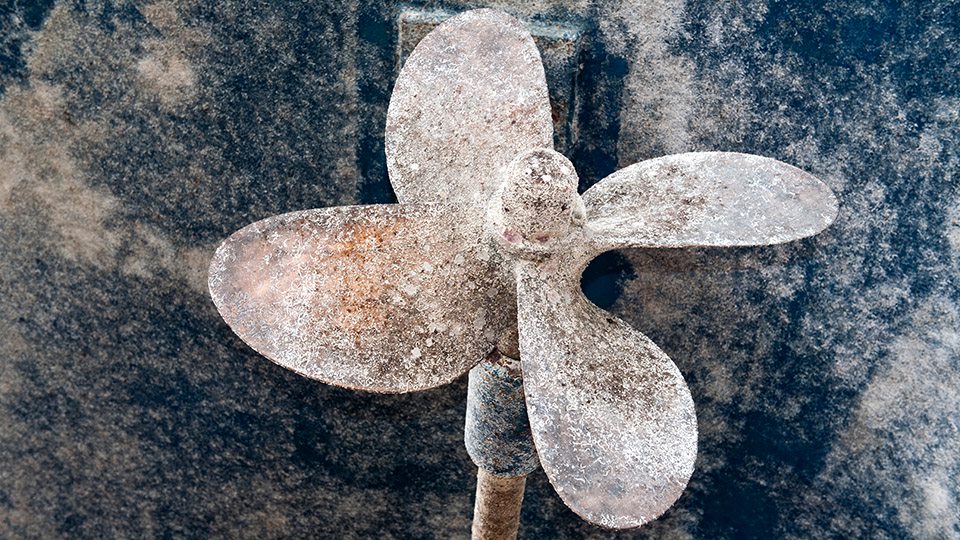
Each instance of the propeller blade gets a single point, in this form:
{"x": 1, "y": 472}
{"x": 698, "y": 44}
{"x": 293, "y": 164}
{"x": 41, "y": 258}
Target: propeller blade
{"x": 706, "y": 199}
{"x": 470, "y": 98}
{"x": 386, "y": 298}
{"x": 612, "y": 418}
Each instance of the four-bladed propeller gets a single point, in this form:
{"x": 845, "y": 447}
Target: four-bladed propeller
{"x": 489, "y": 238}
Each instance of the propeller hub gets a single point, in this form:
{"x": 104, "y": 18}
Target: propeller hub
{"x": 537, "y": 205}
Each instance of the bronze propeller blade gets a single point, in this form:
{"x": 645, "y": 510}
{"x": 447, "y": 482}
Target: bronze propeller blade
{"x": 470, "y": 98}
{"x": 387, "y": 298}
{"x": 611, "y": 415}
{"x": 707, "y": 199}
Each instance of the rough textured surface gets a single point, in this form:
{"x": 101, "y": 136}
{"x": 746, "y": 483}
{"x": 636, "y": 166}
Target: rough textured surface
{"x": 824, "y": 372}
{"x": 611, "y": 415}
{"x": 449, "y": 134}
{"x": 384, "y": 298}
{"x": 537, "y": 208}
{"x": 497, "y": 507}
{"x": 360, "y": 296}
{"x": 706, "y": 199}
{"x": 496, "y": 430}
{"x": 559, "y": 46}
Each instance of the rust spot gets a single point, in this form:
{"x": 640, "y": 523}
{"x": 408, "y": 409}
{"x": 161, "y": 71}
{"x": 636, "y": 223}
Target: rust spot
{"x": 363, "y": 286}
{"x": 406, "y": 297}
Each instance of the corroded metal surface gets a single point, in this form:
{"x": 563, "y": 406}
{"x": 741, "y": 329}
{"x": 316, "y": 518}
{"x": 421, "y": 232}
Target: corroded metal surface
{"x": 471, "y": 96}
{"x": 559, "y": 45}
{"x": 707, "y": 199}
{"x": 496, "y": 511}
{"x": 537, "y": 205}
{"x": 497, "y": 432}
{"x": 611, "y": 415}
{"x": 404, "y": 297}
{"x": 385, "y": 298}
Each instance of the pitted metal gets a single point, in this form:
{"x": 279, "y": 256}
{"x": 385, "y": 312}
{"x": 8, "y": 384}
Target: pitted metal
{"x": 558, "y": 42}
{"x": 707, "y": 199}
{"x": 611, "y": 415}
{"x": 388, "y": 298}
{"x": 472, "y": 95}
{"x": 403, "y": 297}
{"x": 537, "y": 205}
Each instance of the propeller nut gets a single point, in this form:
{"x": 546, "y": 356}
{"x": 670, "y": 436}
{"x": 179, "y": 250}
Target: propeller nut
{"x": 538, "y": 204}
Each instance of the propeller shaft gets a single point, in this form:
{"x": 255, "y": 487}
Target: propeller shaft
{"x": 496, "y": 514}
{"x": 497, "y": 432}
{"x": 498, "y": 438}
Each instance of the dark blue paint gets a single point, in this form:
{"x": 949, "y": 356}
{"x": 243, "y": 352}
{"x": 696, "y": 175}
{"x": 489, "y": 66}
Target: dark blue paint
{"x": 207, "y": 415}
{"x": 602, "y": 280}
{"x": 376, "y": 32}
{"x": 601, "y": 79}
{"x": 16, "y": 18}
